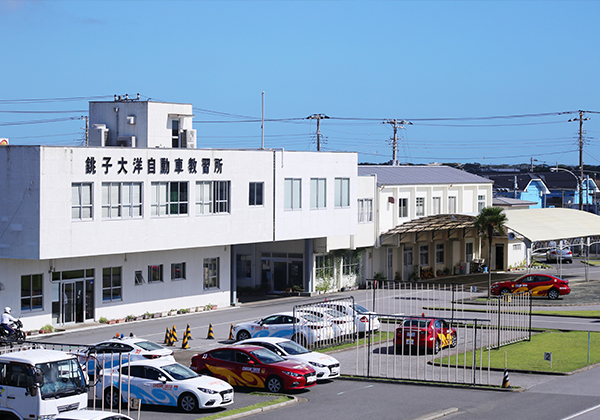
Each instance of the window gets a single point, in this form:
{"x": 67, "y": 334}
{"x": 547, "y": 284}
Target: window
{"x": 403, "y": 207}
{"x": 420, "y": 206}
{"x": 365, "y": 210}
{"x": 516, "y": 247}
{"x": 469, "y": 251}
{"x": 213, "y": 197}
{"x": 121, "y": 200}
{"x": 342, "y": 192}
{"x": 221, "y": 197}
{"x": 437, "y": 205}
{"x": 31, "y": 292}
{"x": 424, "y": 254}
{"x": 451, "y": 205}
{"x": 480, "y": 203}
{"x": 139, "y": 278}
{"x": 439, "y": 253}
{"x": 256, "y": 194}
{"x": 169, "y": 198}
{"x": 178, "y": 271}
{"x": 155, "y": 273}
{"x": 318, "y": 193}
{"x": 324, "y": 267}
{"x": 292, "y": 194}
{"x": 243, "y": 266}
{"x": 211, "y": 273}
{"x": 111, "y": 284}
{"x": 81, "y": 201}
{"x": 351, "y": 263}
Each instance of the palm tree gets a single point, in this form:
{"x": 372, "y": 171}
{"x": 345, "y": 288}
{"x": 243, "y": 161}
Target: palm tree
{"x": 490, "y": 221}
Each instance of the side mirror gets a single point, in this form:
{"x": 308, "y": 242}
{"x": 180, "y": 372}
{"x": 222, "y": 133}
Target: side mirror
{"x": 38, "y": 377}
{"x": 251, "y": 362}
{"x": 162, "y": 379}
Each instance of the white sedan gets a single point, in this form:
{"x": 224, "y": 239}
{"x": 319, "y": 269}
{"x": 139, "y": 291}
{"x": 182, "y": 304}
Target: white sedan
{"x": 162, "y": 382}
{"x": 365, "y": 320}
{"x": 305, "y": 329}
{"x": 327, "y": 367}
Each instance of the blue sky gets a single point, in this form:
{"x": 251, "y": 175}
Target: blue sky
{"x": 358, "y": 62}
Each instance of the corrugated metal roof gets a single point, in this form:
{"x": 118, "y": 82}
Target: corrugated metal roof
{"x": 552, "y": 224}
{"x": 419, "y": 175}
{"x": 437, "y": 222}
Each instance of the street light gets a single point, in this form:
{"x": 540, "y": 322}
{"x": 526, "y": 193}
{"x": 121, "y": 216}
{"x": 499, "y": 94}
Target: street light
{"x": 579, "y": 184}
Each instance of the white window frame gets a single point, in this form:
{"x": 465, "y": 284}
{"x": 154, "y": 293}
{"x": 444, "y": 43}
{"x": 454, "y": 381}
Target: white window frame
{"x": 256, "y": 194}
{"x": 436, "y": 205}
{"x": 419, "y": 206}
{"x": 82, "y": 200}
{"x": 292, "y": 193}
{"x": 424, "y": 255}
{"x": 480, "y": 203}
{"x": 318, "y": 193}
{"x": 439, "y": 253}
{"x": 210, "y": 270}
{"x": 162, "y": 205}
{"x": 121, "y": 200}
{"x": 155, "y": 273}
{"x": 365, "y": 210}
{"x": 342, "y": 192}
{"x": 403, "y": 207}
{"x": 452, "y": 199}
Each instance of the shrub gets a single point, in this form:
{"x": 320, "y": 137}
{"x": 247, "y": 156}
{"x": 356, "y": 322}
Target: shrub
{"x": 103, "y": 320}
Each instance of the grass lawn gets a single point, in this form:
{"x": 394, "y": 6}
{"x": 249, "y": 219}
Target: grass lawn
{"x": 375, "y": 338}
{"x": 589, "y": 314}
{"x": 569, "y": 352}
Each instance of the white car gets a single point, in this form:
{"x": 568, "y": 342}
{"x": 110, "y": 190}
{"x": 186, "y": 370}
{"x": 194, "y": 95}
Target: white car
{"x": 91, "y": 415}
{"x": 343, "y": 324}
{"x": 127, "y": 348}
{"x": 364, "y": 319}
{"x": 305, "y": 329}
{"x": 327, "y": 367}
{"x": 162, "y": 382}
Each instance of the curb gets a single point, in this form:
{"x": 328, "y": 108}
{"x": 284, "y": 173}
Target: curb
{"x": 438, "y": 414}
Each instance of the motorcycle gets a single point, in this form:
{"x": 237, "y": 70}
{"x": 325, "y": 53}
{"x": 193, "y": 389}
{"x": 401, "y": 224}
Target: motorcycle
{"x": 18, "y": 335}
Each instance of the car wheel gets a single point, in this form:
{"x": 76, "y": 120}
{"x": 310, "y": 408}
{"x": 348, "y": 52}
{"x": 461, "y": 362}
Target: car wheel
{"x": 111, "y": 397}
{"x": 436, "y": 347}
{"x": 553, "y": 294}
{"x": 243, "y": 335}
{"x": 274, "y": 384}
{"x": 504, "y": 291}
{"x": 187, "y": 403}
{"x": 453, "y": 340}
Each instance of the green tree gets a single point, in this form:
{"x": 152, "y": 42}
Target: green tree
{"x": 491, "y": 221}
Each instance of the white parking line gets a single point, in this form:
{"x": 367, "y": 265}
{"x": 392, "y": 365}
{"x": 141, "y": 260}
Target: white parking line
{"x": 581, "y": 413}
{"x": 357, "y": 389}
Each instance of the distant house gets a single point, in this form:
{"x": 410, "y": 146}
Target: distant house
{"x": 564, "y": 191}
{"x": 518, "y": 185}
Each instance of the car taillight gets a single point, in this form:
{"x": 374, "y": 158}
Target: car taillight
{"x": 151, "y": 356}
{"x": 364, "y": 319}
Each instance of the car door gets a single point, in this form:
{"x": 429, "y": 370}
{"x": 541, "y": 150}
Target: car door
{"x": 280, "y": 326}
{"x": 539, "y": 285}
{"x": 157, "y": 391}
{"x": 220, "y": 363}
{"x": 247, "y": 370}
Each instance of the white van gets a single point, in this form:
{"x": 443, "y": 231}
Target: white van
{"x": 40, "y": 384}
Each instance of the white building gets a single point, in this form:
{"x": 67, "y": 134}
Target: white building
{"x": 142, "y": 221}
{"x": 422, "y": 226}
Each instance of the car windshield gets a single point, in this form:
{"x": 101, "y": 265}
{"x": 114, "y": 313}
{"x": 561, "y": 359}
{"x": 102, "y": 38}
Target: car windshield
{"x": 415, "y": 323}
{"x": 179, "y": 372}
{"x": 334, "y": 313}
{"x": 149, "y": 345}
{"x": 266, "y": 356}
{"x": 61, "y": 378}
{"x": 311, "y": 317}
{"x": 360, "y": 309}
{"x": 292, "y": 348}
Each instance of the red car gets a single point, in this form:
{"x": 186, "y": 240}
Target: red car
{"x": 425, "y": 333}
{"x": 254, "y": 366}
{"x": 536, "y": 284}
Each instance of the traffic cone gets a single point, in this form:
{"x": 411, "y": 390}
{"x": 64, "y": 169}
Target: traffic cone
{"x": 211, "y": 334}
{"x": 505, "y": 380}
{"x": 173, "y": 334}
{"x": 167, "y": 337}
{"x": 231, "y": 333}
{"x": 188, "y": 332}
{"x": 184, "y": 343}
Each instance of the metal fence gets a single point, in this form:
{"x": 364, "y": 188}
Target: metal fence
{"x": 510, "y": 317}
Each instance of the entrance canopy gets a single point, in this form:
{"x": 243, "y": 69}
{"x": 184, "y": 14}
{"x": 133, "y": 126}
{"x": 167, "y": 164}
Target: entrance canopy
{"x": 553, "y": 224}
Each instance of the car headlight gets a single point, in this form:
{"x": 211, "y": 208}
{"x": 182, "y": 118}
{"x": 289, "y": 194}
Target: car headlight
{"x": 294, "y": 374}
{"x": 207, "y": 391}
{"x": 317, "y": 364}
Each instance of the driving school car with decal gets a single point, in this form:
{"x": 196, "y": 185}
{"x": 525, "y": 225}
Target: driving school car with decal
{"x": 254, "y": 366}
{"x": 162, "y": 382}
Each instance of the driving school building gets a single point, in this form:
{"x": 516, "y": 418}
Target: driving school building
{"x": 141, "y": 221}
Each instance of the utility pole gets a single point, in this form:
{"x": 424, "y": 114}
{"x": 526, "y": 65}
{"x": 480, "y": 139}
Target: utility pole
{"x": 87, "y": 130}
{"x": 395, "y": 123}
{"x": 581, "y": 120}
{"x": 318, "y": 117}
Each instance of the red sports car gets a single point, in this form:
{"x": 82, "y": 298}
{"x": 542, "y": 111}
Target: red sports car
{"x": 425, "y": 333}
{"x": 254, "y": 366}
{"x": 536, "y": 284}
